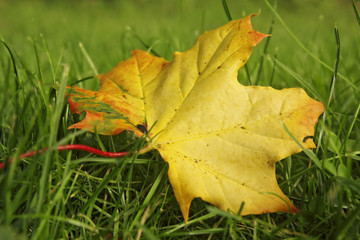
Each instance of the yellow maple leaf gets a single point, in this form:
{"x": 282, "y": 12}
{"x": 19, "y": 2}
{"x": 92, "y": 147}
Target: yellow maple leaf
{"x": 221, "y": 139}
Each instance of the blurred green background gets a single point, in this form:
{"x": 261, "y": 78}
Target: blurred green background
{"x": 109, "y": 26}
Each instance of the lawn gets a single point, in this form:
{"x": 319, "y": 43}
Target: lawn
{"x": 314, "y": 45}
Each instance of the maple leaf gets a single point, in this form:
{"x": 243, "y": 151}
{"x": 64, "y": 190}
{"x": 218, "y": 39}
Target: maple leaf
{"x": 221, "y": 139}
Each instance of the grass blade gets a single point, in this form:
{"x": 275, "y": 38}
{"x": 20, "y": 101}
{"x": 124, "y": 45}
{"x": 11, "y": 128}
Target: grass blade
{"x": 309, "y": 153}
{"x": 226, "y": 9}
{"x": 298, "y": 78}
{"x": 264, "y": 53}
{"x": 148, "y": 198}
{"x": 356, "y": 88}
{"x": 13, "y": 63}
{"x": 49, "y": 58}
{"x": 88, "y": 59}
{"x": 356, "y": 12}
{"x": 265, "y": 48}
{"x": 333, "y": 80}
{"x": 142, "y": 42}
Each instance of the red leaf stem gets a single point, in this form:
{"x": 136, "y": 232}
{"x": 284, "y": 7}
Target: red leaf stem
{"x": 71, "y": 147}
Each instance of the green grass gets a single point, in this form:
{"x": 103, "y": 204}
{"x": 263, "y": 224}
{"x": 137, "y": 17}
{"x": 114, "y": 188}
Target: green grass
{"x": 75, "y": 195}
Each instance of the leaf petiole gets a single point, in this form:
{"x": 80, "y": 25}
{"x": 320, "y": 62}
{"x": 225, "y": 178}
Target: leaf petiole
{"x": 69, "y": 147}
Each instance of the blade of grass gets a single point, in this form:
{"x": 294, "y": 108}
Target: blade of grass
{"x": 174, "y": 228}
{"x": 332, "y": 84}
{"x": 226, "y": 9}
{"x": 13, "y": 63}
{"x": 355, "y": 118}
{"x": 89, "y": 205}
{"x": 265, "y": 48}
{"x": 333, "y": 80}
{"x": 142, "y": 42}
{"x": 149, "y": 196}
{"x": 273, "y": 68}
{"x": 263, "y": 54}
{"x": 58, "y": 197}
{"x": 248, "y": 77}
{"x": 58, "y": 218}
{"x": 356, "y": 88}
{"x": 118, "y": 168}
{"x": 40, "y": 73}
{"x": 309, "y": 153}
{"x": 88, "y": 59}
{"x": 55, "y": 121}
{"x": 356, "y": 12}
{"x": 49, "y": 57}
{"x": 10, "y": 173}
{"x": 81, "y": 80}
{"x": 298, "y": 78}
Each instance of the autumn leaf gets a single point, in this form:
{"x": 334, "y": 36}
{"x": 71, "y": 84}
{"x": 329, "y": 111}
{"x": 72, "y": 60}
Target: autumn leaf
{"x": 221, "y": 139}
{"x": 119, "y": 103}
